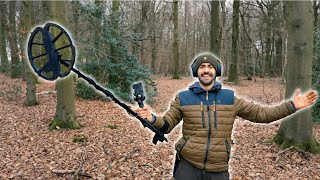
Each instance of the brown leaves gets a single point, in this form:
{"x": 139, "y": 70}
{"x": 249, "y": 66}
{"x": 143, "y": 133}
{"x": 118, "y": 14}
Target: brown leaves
{"x": 29, "y": 150}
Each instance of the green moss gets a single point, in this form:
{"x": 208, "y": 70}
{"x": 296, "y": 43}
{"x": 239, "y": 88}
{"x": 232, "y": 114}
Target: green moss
{"x": 278, "y": 139}
{"x": 112, "y": 126}
{"x": 80, "y": 138}
{"x": 311, "y": 146}
{"x": 57, "y": 124}
{"x": 34, "y": 103}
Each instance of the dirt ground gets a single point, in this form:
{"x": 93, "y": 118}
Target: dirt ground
{"x": 119, "y": 147}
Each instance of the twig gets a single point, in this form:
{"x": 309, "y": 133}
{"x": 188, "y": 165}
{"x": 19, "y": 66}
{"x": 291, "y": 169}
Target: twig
{"x": 77, "y": 173}
{"x": 291, "y": 147}
{"x": 84, "y": 157}
{"x": 283, "y": 151}
{"x": 125, "y": 157}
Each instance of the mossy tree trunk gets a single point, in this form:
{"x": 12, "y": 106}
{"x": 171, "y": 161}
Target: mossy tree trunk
{"x": 65, "y": 116}
{"x": 3, "y": 42}
{"x": 233, "y": 70}
{"x": 215, "y": 28}
{"x": 297, "y": 130}
{"x": 175, "y": 15}
{"x": 31, "y": 98}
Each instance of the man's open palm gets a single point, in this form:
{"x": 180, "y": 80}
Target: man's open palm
{"x": 305, "y": 100}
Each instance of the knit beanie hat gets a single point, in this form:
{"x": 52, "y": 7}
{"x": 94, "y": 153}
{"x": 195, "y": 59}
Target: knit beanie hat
{"x": 205, "y": 58}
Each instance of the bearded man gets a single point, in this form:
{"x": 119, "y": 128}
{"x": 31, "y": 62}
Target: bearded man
{"x": 208, "y": 112}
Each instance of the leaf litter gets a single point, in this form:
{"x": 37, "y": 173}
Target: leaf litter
{"x": 117, "y": 145}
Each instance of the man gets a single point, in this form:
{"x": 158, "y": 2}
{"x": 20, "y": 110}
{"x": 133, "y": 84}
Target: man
{"x": 208, "y": 114}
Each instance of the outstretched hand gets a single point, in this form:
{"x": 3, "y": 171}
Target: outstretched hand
{"x": 305, "y": 100}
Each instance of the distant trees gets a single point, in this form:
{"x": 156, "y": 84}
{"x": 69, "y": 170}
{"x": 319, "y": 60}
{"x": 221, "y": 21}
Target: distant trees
{"x": 160, "y": 37}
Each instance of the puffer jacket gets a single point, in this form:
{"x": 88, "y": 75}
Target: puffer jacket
{"x": 208, "y": 118}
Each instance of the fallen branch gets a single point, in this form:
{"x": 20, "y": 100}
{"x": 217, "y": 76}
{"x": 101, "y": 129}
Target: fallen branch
{"x": 84, "y": 157}
{"x": 77, "y": 173}
{"x": 46, "y": 92}
{"x": 67, "y": 171}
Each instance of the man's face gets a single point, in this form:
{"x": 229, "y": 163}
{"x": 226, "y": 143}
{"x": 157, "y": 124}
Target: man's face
{"x": 206, "y": 74}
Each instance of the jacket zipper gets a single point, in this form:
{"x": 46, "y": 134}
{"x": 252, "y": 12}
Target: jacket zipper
{"x": 228, "y": 148}
{"x": 202, "y": 114}
{"x": 209, "y": 134}
{"x": 215, "y": 112}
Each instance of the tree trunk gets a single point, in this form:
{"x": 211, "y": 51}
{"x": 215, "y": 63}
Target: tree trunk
{"x": 142, "y": 30}
{"x": 98, "y": 28}
{"x": 31, "y": 98}
{"x": 233, "y": 70}
{"x": 15, "y": 60}
{"x": 223, "y": 42}
{"x": 115, "y": 26}
{"x": 215, "y": 28}
{"x": 176, "y": 58}
{"x": 3, "y": 42}
{"x": 153, "y": 36}
{"x": 297, "y": 130}
{"x": 65, "y": 116}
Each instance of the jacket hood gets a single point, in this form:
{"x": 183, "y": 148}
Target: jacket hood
{"x": 196, "y": 88}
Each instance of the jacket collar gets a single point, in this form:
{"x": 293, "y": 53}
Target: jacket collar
{"x": 196, "y": 88}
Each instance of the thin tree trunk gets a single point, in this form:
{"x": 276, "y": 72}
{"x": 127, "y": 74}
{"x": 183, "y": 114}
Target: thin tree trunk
{"x": 153, "y": 36}
{"x": 215, "y": 27}
{"x": 31, "y": 98}
{"x": 3, "y": 40}
{"x": 223, "y": 45}
{"x": 15, "y": 60}
{"x": 143, "y": 26}
{"x": 115, "y": 26}
{"x": 233, "y": 70}
{"x": 176, "y": 58}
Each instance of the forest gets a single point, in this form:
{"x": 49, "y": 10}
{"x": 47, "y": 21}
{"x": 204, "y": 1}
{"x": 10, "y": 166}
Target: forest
{"x": 65, "y": 129}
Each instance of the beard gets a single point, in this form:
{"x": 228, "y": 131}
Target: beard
{"x": 208, "y": 83}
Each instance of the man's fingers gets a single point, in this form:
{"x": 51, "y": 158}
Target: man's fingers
{"x": 313, "y": 96}
{"x": 310, "y": 93}
{"x": 313, "y": 99}
{"x": 297, "y": 92}
{"x": 145, "y": 108}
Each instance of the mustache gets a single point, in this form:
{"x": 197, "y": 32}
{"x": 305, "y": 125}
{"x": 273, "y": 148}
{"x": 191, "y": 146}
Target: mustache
{"x": 206, "y": 73}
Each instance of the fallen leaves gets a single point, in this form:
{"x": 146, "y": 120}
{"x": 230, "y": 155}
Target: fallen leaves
{"x": 28, "y": 150}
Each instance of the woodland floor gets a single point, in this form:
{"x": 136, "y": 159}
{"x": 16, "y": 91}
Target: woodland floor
{"x": 28, "y": 150}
